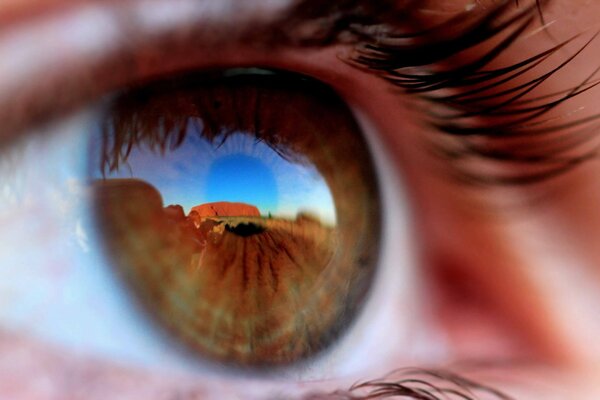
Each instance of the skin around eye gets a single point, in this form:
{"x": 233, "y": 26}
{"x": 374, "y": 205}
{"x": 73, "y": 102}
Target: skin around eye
{"x": 243, "y": 209}
{"x": 522, "y": 223}
{"x": 552, "y": 285}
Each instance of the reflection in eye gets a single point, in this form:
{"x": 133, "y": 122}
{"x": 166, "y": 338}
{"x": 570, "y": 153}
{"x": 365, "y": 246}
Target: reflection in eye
{"x": 243, "y": 209}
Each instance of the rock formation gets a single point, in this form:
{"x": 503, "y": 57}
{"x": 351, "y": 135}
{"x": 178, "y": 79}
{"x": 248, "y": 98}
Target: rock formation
{"x": 174, "y": 212}
{"x": 225, "y": 209}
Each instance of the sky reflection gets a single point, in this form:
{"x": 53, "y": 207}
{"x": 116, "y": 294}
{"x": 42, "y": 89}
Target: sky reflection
{"x": 240, "y": 169}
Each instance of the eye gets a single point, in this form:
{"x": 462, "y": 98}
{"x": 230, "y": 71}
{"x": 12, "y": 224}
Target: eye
{"x": 242, "y": 208}
{"x": 116, "y": 220}
{"x": 105, "y": 303}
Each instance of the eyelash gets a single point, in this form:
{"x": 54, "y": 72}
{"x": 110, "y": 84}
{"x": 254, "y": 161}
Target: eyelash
{"x": 425, "y": 384}
{"x": 467, "y": 98}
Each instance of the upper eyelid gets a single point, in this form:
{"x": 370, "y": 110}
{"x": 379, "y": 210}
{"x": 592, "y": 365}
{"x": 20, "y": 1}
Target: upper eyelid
{"x": 51, "y": 68}
{"x": 53, "y": 63}
{"x": 116, "y": 44}
{"x": 57, "y": 62}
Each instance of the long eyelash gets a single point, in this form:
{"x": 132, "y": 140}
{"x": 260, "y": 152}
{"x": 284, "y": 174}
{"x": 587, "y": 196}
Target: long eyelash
{"x": 141, "y": 117}
{"x": 484, "y": 114}
{"x": 491, "y": 127}
{"x": 417, "y": 384}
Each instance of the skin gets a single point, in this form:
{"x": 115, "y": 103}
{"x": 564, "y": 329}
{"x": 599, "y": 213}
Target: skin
{"x": 535, "y": 269}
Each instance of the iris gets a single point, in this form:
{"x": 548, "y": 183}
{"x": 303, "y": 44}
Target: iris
{"x": 242, "y": 209}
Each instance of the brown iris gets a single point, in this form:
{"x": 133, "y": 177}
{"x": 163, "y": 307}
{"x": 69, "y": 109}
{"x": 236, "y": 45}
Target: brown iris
{"x": 242, "y": 208}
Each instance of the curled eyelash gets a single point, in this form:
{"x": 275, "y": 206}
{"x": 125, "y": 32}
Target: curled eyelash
{"x": 490, "y": 125}
{"x": 417, "y": 384}
{"x": 159, "y": 116}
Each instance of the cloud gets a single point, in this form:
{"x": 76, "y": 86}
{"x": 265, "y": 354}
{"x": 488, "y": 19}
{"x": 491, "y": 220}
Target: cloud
{"x": 81, "y": 237}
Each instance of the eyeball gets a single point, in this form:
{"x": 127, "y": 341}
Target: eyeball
{"x": 242, "y": 209}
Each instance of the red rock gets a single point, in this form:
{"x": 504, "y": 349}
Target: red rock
{"x": 226, "y": 209}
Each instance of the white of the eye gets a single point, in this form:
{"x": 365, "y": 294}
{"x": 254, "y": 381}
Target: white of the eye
{"x": 60, "y": 289}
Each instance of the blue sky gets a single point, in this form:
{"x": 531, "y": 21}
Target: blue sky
{"x": 241, "y": 178}
{"x": 241, "y": 169}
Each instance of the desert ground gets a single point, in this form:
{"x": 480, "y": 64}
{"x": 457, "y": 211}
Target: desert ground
{"x": 246, "y": 289}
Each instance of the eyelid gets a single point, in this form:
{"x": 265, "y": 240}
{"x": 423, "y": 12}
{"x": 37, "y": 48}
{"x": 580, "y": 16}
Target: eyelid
{"x": 53, "y": 63}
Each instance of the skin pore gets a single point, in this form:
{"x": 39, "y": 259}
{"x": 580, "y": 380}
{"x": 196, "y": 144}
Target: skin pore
{"x": 518, "y": 262}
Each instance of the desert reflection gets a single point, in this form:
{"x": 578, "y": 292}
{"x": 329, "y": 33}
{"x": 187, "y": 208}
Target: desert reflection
{"x": 234, "y": 284}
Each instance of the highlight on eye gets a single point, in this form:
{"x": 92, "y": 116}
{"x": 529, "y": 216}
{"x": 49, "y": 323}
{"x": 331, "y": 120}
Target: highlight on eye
{"x": 241, "y": 207}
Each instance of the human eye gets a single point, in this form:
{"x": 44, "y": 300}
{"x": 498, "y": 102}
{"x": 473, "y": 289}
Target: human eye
{"x": 480, "y": 139}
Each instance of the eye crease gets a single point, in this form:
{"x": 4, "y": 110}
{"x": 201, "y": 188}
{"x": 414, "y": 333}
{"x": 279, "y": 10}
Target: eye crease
{"x": 272, "y": 266}
{"x": 469, "y": 104}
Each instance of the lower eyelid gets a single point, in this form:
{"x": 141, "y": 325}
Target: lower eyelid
{"x": 43, "y": 371}
{"x": 50, "y": 373}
